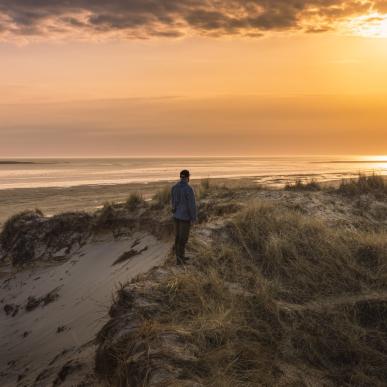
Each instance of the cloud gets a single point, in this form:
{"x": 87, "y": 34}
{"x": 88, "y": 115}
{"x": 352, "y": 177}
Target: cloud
{"x": 141, "y": 19}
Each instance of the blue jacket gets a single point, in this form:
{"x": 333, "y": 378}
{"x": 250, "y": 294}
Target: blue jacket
{"x": 183, "y": 201}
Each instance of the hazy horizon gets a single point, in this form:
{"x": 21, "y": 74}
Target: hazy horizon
{"x": 357, "y": 157}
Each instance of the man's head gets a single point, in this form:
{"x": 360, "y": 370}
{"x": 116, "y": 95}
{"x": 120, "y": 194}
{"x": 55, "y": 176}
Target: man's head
{"x": 184, "y": 174}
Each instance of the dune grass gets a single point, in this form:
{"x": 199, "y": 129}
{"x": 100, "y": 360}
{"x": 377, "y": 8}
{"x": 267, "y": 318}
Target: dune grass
{"x": 373, "y": 184}
{"x": 303, "y": 186}
{"x": 278, "y": 299}
{"x": 105, "y": 216}
{"x": 29, "y": 235}
{"x": 205, "y": 184}
{"x": 12, "y": 225}
{"x": 134, "y": 201}
{"x": 161, "y": 198}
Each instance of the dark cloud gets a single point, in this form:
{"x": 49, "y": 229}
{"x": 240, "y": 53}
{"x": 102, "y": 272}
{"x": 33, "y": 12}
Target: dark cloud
{"x": 171, "y": 18}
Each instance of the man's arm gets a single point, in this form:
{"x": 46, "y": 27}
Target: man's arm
{"x": 173, "y": 200}
{"x": 192, "y": 205}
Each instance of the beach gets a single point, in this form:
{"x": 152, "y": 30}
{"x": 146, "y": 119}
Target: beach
{"x": 53, "y": 200}
{"x": 62, "y": 185}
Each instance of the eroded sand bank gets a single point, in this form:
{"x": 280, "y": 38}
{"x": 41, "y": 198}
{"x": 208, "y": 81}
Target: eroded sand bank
{"x": 37, "y": 345}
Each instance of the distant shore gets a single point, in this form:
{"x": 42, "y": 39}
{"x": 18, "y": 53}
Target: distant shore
{"x": 12, "y": 162}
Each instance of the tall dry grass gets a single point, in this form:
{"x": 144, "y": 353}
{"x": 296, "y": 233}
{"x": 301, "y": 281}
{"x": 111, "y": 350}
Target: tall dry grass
{"x": 12, "y": 225}
{"x": 134, "y": 201}
{"x": 303, "y": 186}
{"x": 373, "y": 184}
{"x": 278, "y": 299}
{"x": 161, "y": 198}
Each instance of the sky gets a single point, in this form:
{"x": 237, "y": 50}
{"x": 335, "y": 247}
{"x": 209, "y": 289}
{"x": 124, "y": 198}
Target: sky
{"x": 192, "y": 78}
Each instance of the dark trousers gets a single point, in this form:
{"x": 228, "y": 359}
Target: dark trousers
{"x": 182, "y": 233}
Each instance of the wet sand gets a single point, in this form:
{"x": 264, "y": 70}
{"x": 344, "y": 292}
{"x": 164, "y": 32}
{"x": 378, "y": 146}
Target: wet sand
{"x": 88, "y": 198}
{"x": 64, "y": 199}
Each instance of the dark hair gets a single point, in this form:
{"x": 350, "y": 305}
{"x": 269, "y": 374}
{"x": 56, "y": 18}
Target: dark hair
{"x": 184, "y": 173}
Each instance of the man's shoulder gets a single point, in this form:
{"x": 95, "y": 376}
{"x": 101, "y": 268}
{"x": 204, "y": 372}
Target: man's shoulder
{"x": 183, "y": 187}
{"x": 177, "y": 188}
{"x": 189, "y": 188}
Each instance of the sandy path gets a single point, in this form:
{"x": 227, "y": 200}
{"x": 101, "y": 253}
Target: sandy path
{"x": 29, "y": 342}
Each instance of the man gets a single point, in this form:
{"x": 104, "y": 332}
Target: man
{"x": 184, "y": 213}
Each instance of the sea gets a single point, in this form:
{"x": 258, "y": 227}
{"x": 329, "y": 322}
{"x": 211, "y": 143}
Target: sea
{"x": 271, "y": 171}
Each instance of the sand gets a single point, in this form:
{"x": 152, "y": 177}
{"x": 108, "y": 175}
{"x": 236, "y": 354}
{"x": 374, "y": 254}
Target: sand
{"x": 62, "y": 199}
{"x": 37, "y": 345}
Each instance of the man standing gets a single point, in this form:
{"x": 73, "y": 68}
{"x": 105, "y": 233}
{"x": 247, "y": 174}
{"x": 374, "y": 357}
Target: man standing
{"x": 184, "y": 213}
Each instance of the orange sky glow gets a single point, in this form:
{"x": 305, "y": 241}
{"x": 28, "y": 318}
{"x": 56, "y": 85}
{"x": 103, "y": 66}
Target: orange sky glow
{"x": 172, "y": 78}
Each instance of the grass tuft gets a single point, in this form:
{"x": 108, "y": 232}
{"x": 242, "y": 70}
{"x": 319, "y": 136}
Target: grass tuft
{"x": 134, "y": 201}
{"x": 373, "y": 184}
{"x": 203, "y": 189}
{"x": 106, "y": 216}
{"x": 162, "y": 197}
{"x": 12, "y": 226}
{"x": 301, "y": 186}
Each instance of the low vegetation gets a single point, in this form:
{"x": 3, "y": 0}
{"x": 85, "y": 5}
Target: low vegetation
{"x": 203, "y": 188}
{"x": 134, "y": 201}
{"x": 28, "y": 236}
{"x": 162, "y": 197}
{"x": 205, "y": 184}
{"x": 106, "y": 216}
{"x": 12, "y": 225}
{"x": 279, "y": 298}
{"x": 373, "y": 184}
{"x": 303, "y": 186}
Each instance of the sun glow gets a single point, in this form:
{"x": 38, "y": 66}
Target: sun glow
{"x": 372, "y": 25}
{"x": 381, "y": 158}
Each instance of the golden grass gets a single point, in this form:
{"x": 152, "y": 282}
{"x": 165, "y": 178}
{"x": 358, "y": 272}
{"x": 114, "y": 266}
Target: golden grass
{"x": 373, "y": 184}
{"x": 162, "y": 197}
{"x": 277, "y": 292}
{"x": 134, "y": 201}
{"x": 301, "y": 186}
{"x": 12, "y": 225}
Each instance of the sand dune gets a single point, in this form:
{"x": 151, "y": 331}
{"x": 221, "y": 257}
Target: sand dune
{"x": 37, "y": 345}
{"x": 286, "y": 269}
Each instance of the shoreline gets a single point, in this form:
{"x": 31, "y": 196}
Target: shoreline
{"x": 54, "y": 200}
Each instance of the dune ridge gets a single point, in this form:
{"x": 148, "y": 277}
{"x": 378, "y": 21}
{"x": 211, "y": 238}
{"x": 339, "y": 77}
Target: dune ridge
{"x": 282, "y": 288}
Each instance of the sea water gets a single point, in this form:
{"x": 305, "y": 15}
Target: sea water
{"x": 272, "y": 171}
